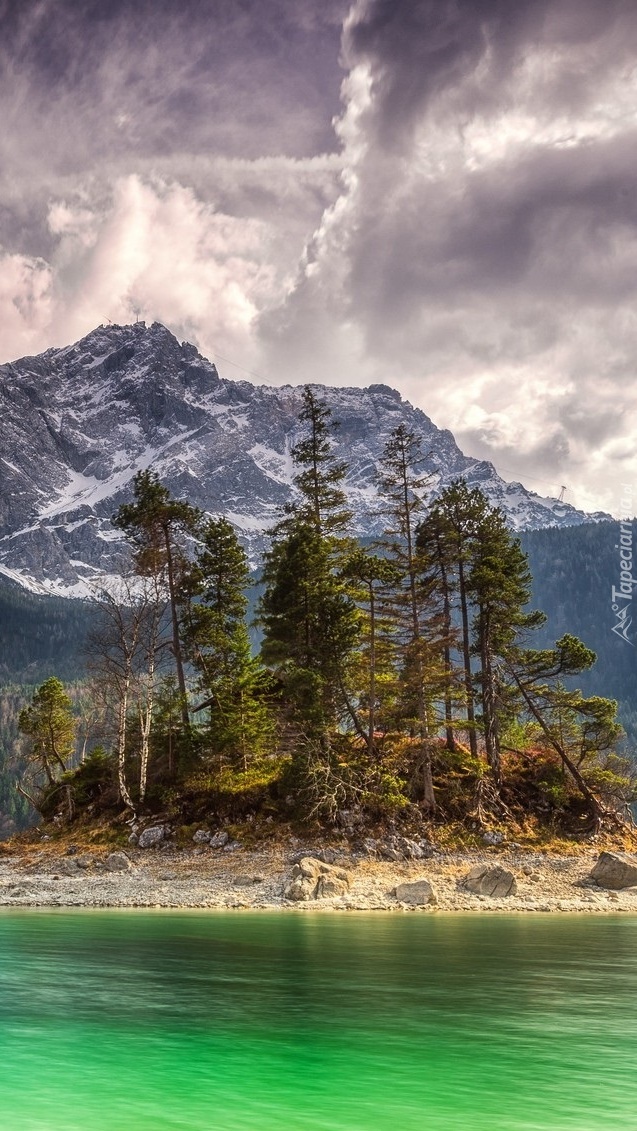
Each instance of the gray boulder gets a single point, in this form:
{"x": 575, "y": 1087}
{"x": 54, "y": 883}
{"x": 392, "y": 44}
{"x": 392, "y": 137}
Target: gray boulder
{"x": 615, "y": 870}
{"x": 68, "y": 867}
{"x": 219, "y": 840}
{"x": 118, "y": 862}
{"x": 314, "y": 879}
{"x": 417, "y": 894}
{"x": 331, "y": 885}
{"x": 402, "y": 848}
{"x": 299, "y": 890}
{"x": 493, "y": 838}
{"x": 151, "y": 837}
{"x": 327, "y": 855}
{"x": 495, "y": 881}
{"x": 202, "y": 836}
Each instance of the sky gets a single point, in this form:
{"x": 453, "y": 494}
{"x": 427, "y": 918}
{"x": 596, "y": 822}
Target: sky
{"x": 438, "y": 195}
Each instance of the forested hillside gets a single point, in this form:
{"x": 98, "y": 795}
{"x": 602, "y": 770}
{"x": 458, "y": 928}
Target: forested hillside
{"x": 40, "y": 636}
{"x": 573, "y": 573}
{"x": 389, "y": 675}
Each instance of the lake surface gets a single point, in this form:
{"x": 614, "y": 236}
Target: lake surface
{"x": 149, "y": 1021}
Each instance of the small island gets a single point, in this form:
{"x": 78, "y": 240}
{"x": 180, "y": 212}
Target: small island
{"x": 394, "y": 713}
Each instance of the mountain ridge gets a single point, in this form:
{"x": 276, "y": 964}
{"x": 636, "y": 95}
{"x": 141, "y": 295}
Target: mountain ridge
{"x": 80, "y": 421}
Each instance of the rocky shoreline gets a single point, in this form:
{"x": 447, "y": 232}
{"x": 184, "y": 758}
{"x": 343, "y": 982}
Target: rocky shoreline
{"x": 308, "y": 877}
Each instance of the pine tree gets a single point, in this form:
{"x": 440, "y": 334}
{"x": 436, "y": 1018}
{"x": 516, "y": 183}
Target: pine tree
{"x": 320, "y": 480}
{"x": 50, "y": 726}
{"x": 218, "y": 645}
{"x": 310, "y": 628}
{"x": 451, "y": 533}
{"x": 310, "y": 621}
{"x": 437, "y": 566}
{"x": 156, "y": 525}
{"x": 404, "y": 486}
{"x": 578, "y": 728}
{"x": 499, "y": 586}
{"x": 370, "y": 576}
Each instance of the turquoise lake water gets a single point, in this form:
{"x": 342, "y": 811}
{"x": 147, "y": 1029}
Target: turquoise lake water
{"x": 149, "y": 1021}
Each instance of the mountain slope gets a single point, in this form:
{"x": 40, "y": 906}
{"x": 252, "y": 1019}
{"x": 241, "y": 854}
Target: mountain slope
{"x": 79, "y": 422}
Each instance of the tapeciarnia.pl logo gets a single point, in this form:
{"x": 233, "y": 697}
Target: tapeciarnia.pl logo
{"x": 622, "y": 595}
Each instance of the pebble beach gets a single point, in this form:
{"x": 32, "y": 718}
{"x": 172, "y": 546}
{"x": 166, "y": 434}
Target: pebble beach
{"x": 264, "y": 879}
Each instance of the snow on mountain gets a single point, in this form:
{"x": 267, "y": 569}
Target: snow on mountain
{"x": 77, "y": 423}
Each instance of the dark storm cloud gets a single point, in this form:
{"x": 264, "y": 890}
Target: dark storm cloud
{"x": 92, "y": 90}
{"x": 421, "y": 49}
{"x": 541, "y": 224}
{"x": 484, "y": 250}
{"x": 245, "y": 78}
{"x": 540, "y": 218}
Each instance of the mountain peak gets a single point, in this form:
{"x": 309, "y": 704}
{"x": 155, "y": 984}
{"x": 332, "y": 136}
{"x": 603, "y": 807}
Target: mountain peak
{"x": 79, "y": 422}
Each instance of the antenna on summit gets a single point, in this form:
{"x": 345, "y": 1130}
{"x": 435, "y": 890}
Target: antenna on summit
{"x": 563, "y": 491}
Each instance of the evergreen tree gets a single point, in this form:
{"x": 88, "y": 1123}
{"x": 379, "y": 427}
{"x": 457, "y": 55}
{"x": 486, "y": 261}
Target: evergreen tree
{"x": 218, "y": 646}
{"x": 578, "y": 728}
{"x": 156, "y": 525}
{"x": 403, "y": 486}
{"x": 437, "y": 566}
{"x": 310, "y": 628}
{"x": 310, "y": 621}
{"x": 320, "y": 480}
{"x": 450, "y": 534}
{"x": 49, "y": 725}
{"x": 370, "y": 576}
{"x": 499, "y": 586}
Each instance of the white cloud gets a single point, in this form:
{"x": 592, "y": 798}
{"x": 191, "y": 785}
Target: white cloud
{"x": 154, "y": 249}
{"x": 25, "y": 304}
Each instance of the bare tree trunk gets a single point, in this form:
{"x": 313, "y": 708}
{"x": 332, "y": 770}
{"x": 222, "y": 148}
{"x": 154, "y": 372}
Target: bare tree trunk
{"x": 372, "y": 672}
{"x": 489, "y": 702}
{"x": 466, "y": 654}
{"x": 145, "y": 722}
{"x": 21, "y": 790}
{"x": 121, "y": 744}
{"x": 179, "y": 663}
{"x": 446, "y": 627}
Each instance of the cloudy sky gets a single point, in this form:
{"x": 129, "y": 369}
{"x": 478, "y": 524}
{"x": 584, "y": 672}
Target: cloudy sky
{"x": 434, "y": 194}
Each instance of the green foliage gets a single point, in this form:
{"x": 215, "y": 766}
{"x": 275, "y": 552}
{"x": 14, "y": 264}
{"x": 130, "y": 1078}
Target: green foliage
{"x": 309, "y": 619}
{"x": 157, "y": 527}
{"x": 153, "y": 524}
{"x": 216, "y": 641}
{"x": 573, "y": 571}
{"x": 93, "y": 777}
{"x": 319, "y": 480}
{"x": 50, "y": 727}
{"x": 420, "y": 658}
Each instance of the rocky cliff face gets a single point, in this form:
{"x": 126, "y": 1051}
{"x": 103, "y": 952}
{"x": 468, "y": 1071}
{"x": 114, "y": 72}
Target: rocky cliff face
{"x": 77, "y": 423}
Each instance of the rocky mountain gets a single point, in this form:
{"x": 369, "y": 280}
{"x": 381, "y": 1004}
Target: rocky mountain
{"x": 77, "y": 423}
